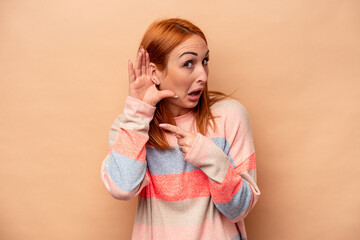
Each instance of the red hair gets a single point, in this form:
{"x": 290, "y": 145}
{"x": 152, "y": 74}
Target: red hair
{"x": 159, "y": 40}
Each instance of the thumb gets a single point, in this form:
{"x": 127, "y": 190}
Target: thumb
{"x": 166, "y": 93}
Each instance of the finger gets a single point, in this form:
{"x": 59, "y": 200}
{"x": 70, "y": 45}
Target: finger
{"x": 165, "y": 94}
{"x": 143, "y": 62}
{"x": 182, "y": 141}
{"x": 131, "y": 72}
{"x": 147, "y": 58}
{"x": 185, "y": 149}
{"x": 174, "y": 129}
{"x": 138, "y": 64}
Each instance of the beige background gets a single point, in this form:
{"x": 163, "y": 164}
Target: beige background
{"x": 295, "y": 65}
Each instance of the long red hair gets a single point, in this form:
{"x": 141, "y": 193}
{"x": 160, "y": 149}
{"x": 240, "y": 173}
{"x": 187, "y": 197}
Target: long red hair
{"x": 159, "y": 40}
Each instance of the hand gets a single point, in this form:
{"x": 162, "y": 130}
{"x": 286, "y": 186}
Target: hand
{"x": 185, "y": 139}
{"x": 140, "y": 84}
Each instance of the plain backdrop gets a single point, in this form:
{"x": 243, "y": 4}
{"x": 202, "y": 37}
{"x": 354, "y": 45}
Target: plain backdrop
{"x": 294, "y": 65}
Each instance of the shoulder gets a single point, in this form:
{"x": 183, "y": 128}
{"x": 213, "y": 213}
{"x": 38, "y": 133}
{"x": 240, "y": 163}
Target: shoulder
{"x": 230, "y": 107}
{"x": 233, "y": 121}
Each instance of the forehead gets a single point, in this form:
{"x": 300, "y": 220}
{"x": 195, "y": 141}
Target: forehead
{"x": 192, "y": 44}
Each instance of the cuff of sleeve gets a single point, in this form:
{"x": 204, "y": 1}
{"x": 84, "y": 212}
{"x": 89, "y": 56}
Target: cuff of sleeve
{"x": 205, "y": 155}
{"x": 194, "y": 155}
{"x": 137, "y": 108}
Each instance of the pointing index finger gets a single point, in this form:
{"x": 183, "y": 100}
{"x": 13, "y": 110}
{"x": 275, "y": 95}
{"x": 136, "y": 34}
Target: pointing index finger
{"x": 173, "y": 129}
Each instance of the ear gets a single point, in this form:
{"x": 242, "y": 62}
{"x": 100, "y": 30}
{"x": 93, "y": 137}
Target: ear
{"x": 154, "y": 73}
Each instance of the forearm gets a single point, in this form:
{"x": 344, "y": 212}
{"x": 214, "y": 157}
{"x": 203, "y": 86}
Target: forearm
{"x": 123, "y": 178}
{"x": 123, "y": 169}
{"x": 232, "y": 194}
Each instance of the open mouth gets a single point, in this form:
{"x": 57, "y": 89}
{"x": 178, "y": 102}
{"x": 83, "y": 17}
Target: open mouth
{"x": 195, "y": 93}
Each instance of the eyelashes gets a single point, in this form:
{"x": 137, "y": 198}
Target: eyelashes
{"x": 205, "y": 61}
{"x": 190, "y": 63}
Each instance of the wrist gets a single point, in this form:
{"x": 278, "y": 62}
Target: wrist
{"x": 138, "y": 108}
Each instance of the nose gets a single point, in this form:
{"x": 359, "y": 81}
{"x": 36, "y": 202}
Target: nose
{"x": 202, "y": 75}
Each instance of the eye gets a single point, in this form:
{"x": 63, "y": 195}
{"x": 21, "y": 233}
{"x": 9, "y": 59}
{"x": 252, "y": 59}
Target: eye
{"x": 188, "y": 64}
{"x": 205, "y": 61}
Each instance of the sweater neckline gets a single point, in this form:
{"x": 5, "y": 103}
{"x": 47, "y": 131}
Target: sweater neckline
{"x": 184, "y": 117}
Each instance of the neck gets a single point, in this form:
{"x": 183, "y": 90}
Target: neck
{"x": 176, "y": 110}
{"x": 179, "y": 112}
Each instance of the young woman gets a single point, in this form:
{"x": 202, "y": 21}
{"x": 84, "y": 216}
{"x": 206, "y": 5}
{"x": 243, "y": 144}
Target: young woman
{"x": 186, "y": 153}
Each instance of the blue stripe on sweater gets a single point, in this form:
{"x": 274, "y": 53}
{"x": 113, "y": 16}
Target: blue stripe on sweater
{"x": 126, "y": 173}
{"x": 238, "y": 237}
{"x": 238, "y": 204}
{"x": 225, "y": 146}
{"x": 167, "y": 161}
{"x": 172, "y": 162}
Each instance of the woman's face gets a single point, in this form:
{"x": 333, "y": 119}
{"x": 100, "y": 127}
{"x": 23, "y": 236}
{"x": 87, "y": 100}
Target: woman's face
{"x": 186, "y": 74}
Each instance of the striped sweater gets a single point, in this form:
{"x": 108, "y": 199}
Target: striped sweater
{"x": 205, "y": 195}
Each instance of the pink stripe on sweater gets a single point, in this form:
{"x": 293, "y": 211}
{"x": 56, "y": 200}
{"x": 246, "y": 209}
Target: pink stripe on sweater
{"x": 248, "y": 164}
{"x": 172, "y": 188}
{"x": 225, "y": 191}
{"x": 130, "y": 144}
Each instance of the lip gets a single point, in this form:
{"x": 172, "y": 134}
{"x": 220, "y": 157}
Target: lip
{"x": 195, "y": 90}
{"x": 197, "y": 96}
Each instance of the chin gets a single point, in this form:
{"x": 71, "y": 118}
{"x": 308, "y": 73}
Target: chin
{"x": 183, "y": 104}
{"x": 192, "y": 104}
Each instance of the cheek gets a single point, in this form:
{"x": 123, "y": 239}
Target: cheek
{"x": 184, "y": 85}
{"x": 179, "y": 81}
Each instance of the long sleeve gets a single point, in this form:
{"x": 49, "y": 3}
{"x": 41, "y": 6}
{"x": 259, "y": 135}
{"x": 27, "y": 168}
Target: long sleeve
{"x": 123, "y": 170}
{"x": 232, "y": 168}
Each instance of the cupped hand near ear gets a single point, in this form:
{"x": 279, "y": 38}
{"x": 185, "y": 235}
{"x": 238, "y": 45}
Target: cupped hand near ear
{"x": 185, "y": 138}
{"x": 140, "y": 84}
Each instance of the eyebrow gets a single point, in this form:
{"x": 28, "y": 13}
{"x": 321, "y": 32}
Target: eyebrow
{"x": 193, "y": 53}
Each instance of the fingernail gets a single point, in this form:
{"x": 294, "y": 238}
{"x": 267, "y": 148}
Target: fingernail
{"x": 176, "y": 96}
{"x": 163, "y": 125}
